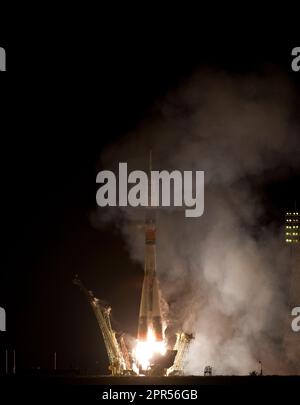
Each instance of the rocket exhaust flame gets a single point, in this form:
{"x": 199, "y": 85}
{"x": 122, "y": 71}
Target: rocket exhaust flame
{"x": 145, "y": 350}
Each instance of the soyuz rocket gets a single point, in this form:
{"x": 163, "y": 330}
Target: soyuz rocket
{"x": 150, "y": 311}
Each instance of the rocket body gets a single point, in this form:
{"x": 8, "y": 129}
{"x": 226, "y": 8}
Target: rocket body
{"x": 150, "y": 311}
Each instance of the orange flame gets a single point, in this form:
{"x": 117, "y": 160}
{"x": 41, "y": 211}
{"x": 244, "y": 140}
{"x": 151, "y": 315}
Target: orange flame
{"x": 145, "y": 350}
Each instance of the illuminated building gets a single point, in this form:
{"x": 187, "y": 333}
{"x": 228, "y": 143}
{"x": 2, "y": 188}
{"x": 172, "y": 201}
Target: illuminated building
{"x": 292, "y": 239}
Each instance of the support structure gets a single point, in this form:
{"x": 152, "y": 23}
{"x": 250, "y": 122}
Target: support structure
{"x": 182, "y": 344}
{"x": 117, "y": 362}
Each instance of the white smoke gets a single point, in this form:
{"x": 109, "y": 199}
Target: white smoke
{"x": 223, "y": 275}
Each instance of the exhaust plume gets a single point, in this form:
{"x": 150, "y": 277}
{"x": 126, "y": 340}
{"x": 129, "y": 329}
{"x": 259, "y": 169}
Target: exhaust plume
{"x": 225, "y": 274}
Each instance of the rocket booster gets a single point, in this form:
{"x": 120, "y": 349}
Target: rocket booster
{"x": 150, "y": 312}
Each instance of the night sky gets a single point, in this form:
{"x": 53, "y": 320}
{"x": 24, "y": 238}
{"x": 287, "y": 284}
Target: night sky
{"x": 59, "y": 110}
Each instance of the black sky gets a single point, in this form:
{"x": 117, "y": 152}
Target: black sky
{"x": 62, "y": 102}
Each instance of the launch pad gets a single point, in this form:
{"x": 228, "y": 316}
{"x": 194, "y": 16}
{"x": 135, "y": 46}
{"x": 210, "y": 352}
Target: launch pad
{"x": 151, "y": 355}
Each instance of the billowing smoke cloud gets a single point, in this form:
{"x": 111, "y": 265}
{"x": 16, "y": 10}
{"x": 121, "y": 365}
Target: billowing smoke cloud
{"x": 224, "y": 275}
